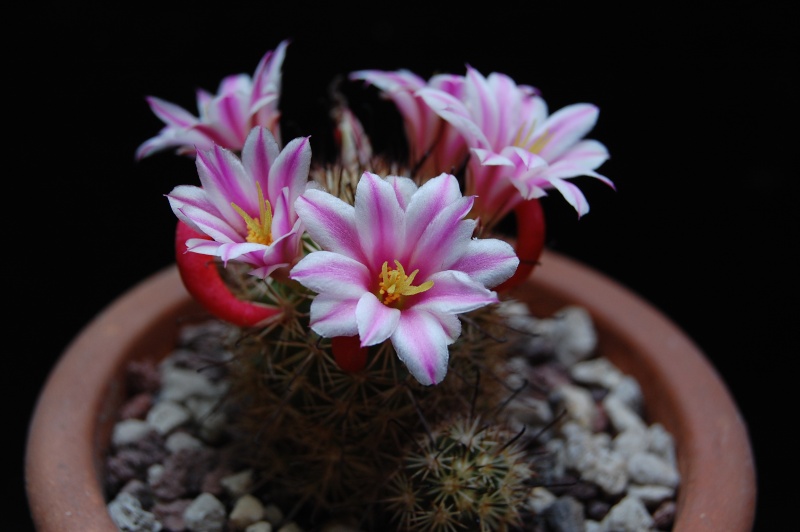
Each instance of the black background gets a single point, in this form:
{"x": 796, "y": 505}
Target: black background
{"x": 698, "y": 109}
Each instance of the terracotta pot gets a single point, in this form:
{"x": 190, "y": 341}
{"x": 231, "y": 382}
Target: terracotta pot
{"x": 74, "y": 417}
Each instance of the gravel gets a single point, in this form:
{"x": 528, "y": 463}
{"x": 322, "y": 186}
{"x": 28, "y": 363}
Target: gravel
{"x": 171, "y": 466}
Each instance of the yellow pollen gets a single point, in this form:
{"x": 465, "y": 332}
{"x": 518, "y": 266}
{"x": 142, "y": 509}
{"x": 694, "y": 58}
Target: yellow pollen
{"x": 259, "y": 230}
{"x": 394, "y": 283}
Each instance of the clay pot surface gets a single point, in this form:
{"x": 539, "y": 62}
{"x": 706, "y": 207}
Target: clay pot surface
{"x": 75, "y": 413}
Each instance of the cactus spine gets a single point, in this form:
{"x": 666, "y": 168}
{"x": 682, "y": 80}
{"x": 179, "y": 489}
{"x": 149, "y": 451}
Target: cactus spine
{"x": 375, "y": 446}
{"x": 329, "y": 441}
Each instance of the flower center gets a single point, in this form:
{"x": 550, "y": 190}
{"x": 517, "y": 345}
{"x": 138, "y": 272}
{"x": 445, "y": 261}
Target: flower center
{"x": 394, "y": 284}
{"x": 259, "y": 230}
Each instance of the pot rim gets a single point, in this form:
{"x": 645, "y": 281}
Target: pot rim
{"x": 67, "y": 438}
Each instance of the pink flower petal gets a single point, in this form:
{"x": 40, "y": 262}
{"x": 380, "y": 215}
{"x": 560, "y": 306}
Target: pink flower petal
{"x": 376, "y": 321}
{"x": 421, "y": 343}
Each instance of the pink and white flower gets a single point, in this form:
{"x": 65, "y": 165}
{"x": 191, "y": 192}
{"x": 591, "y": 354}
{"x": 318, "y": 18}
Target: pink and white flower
{"x": 520, "y": 151}
{"x": 400, "y": 264}
{"x": 225, "y": 119}
{"x": 246, "y": 206}
{"x": 434, "y": 145}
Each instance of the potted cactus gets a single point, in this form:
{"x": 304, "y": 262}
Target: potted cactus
{"x": 379, "y": 314}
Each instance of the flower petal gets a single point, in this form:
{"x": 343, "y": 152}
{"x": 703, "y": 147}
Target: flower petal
{"x": 290, "y": 168}
{"x": 376, "y": 321}
{"x": 404, "y": 189}
{"x": 332, "y": 316}
{"x": 259, "y": 152}
{"x": 430, "y": 200}
{"x": 421, "y": 344}
{"x": 332, "y": 273}
{"x": 567, "y": 126}
{"x": 203, "y": 220}
{"x": 330, "y": 222}
{"x": 225, "y": 179}
{"x": 453, "y": 110}
{"x": 444, "y": 237}
{"x": 399, "y": 87}
{"x": 225, "y": 118}
{"x": 572, "y": 194}
{"x": 488, "y": 261}
{"x": 236, "y": 250}
{"x": 382, "y": 221}
{"x": 276, "y": 254}
{"x": 422, "y": 321}
{"x": 170, "y": 113}
{"x": 453, "y": 292}
{"x": 267, "y": 80}
{"x": 490, "y": 158}
{"x": 588, "y": 153}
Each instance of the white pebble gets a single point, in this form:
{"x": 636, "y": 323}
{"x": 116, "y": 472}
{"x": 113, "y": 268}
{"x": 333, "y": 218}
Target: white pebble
{"x": 166, "y": 416}
{"x": 205, "y": 514}
{"x": 661, "y": 443}
{"x": 182, "y": 440}
{"x": 629, "y": 442}
{"x": 247, "y": 511}
{"x": 597, "y": 371}
{"x": 647, "y": 468}
{"x": 651, "y": 495}
{"x": 178, "y": 384}
{"x": 239, "y": 483}
{"x": 628, "y": 515}
{"x": 578, "y": 403}
{"x": 628, "y": 391}
{"x": 540, "y": 500}
{"x": 127, "y": 513}
{"x": 622, "y": 417}
{"x": 154, "y": 473}
{"x": 605, "y": 468}
{"x": 577, "y": 338}
{"x": 129, "y": 431}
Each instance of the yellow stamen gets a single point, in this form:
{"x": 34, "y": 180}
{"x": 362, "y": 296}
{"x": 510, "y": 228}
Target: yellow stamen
{"x": 259, "y": 230}
{"x": 524, "y": 137}
{"x": 394, "y": 283}
{"x": 540, "y": 143}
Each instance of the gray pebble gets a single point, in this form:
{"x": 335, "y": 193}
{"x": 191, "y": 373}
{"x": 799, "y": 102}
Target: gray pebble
{"x": 565, "y": 515}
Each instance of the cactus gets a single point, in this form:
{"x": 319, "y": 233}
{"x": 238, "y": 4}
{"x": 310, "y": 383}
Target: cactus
{"x": 466, "y": 474}
{"x": 327, "y": 441}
